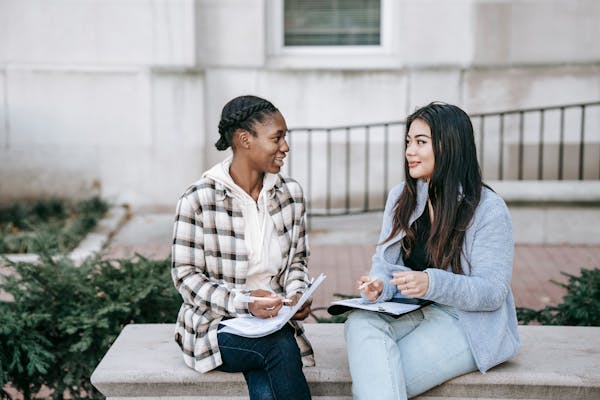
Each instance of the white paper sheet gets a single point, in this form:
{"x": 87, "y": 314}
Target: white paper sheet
{"x": 257, "y": 327}
{"x": 389, "y": 307}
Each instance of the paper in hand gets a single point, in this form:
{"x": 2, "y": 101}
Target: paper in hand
{"x": 258, "y": 327}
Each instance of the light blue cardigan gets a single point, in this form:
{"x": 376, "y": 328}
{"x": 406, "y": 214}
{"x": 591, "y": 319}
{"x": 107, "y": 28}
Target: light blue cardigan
{"x": 482, "y": 296}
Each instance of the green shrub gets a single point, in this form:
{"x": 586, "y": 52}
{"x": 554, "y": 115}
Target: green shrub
{"x": 332, "y": 319}
{"x": 580, "y": 306}
{"x": 64, "y": 318}
{"x": 58, "y": 223}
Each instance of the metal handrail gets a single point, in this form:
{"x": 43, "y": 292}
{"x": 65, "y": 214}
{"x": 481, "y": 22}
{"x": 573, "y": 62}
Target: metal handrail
{"x": 348, "y": 169}
{"x": 534, "y": 109}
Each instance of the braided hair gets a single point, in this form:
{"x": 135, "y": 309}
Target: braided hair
{"x": 241, "y": 113}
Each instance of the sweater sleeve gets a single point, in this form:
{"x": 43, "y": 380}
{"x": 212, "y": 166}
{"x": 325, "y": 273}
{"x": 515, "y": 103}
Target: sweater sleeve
{"x": 189, "y": 267}
{"x": 489, "y": 258}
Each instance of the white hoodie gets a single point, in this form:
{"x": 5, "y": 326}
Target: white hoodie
{"x": 262, "y": 242}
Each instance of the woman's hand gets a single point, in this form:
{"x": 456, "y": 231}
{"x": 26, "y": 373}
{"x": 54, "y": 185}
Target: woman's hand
{"x": 304, "y": 311}
{"x": 411, "y": 283}
{"x": 371, "y": 291}
{"x": 267, "y": 308}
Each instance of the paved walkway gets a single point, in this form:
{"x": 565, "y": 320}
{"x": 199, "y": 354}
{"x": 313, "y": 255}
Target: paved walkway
{"x": 343, "y": 254}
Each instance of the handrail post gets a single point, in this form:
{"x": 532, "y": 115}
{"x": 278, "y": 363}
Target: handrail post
{"x": 386, "y": 142}
{"x": 561, "y": 144}
{"x": 367, "y": 160}
{"x": 521, "y": 144}
{"x": 328, "y": 183}
{"x": 541, "y": 147}
{"x": 581, "y": 143}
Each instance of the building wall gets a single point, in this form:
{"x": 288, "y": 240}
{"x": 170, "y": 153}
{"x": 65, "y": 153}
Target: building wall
{"x": 99, "y": 97}
{"x": 122, "y": 97}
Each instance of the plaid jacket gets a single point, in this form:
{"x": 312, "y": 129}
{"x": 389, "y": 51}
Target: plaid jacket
{"x": 210, "y": 263}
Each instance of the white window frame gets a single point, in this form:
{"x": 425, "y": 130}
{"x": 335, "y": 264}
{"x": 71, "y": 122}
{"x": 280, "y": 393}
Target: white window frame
{"x": 332, "y": 57}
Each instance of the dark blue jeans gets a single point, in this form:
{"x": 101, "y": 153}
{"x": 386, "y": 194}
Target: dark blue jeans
{"x": 271, "y": 364}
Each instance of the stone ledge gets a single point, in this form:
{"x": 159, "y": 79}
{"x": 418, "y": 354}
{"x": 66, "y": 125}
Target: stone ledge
{"x": 555, "y": 363}
{"x": 548, "y": 192}
{"x": 92, "y": 243}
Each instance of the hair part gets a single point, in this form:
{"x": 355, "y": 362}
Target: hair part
{"x": 454, "y": 188}
{"x": 242, "y": 112}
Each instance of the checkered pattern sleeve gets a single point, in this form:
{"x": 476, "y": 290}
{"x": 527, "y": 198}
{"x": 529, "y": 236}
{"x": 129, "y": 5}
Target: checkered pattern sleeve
{"x": 298, "y": 277}
{"x": 189, "y": 272}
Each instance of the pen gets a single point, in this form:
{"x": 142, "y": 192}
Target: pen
{"x": 252, "y": 299}
{"x": 367, "y": 283}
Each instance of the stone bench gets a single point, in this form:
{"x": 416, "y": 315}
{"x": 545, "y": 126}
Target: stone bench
{"x": 555, "y": 362}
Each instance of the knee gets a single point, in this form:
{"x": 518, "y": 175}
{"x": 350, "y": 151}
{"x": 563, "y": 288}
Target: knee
{"x": 360, "y": 317}
{"x": 360, "y": 321}
{"x": 362, "y": 325}
{"x": 284, "y": 349}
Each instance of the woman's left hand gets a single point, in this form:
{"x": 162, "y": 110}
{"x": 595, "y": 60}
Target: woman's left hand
{"x": 304, "y": 311}
{"x": 411, "y": 283}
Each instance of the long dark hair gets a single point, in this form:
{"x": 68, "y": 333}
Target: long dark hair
{"x": 241, "y": 113}
{"x": 454, "y": 188}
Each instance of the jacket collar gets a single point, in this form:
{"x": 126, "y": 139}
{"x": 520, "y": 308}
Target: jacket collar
{"x": 222, "y": 191}
{"x": 226, "y": 187}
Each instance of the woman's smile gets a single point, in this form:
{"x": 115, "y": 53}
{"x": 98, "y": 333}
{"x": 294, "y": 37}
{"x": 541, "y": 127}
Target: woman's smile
{"x": 279, "y": 161}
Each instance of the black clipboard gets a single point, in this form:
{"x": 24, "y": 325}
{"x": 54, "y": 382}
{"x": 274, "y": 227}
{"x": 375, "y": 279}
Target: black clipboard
{"x": 337, "y": 309}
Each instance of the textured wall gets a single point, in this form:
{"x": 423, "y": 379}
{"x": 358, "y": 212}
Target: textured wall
{"x": 122, "y": 97}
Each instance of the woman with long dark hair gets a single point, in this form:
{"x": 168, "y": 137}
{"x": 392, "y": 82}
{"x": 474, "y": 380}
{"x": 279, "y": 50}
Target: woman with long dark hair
{"x": 446, "y": 237}
{"x": 240, "y": 249}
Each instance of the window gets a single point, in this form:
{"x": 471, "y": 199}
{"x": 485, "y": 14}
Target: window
{"x": 333, "y": 34}
{"x": 332, "y": 22}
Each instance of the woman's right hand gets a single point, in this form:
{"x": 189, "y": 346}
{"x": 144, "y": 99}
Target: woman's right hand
{"x": 373, "y": 290}
{"x": 267, "y": 308}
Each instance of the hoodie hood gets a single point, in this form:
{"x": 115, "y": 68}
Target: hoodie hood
{"x": 220, "y": 173}
{"x": 256, "y": 223}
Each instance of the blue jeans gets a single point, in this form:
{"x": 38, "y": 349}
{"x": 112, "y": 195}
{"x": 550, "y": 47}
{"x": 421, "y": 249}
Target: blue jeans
{"x": 271, "y": 364}
{"x": 400, "y": 358}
